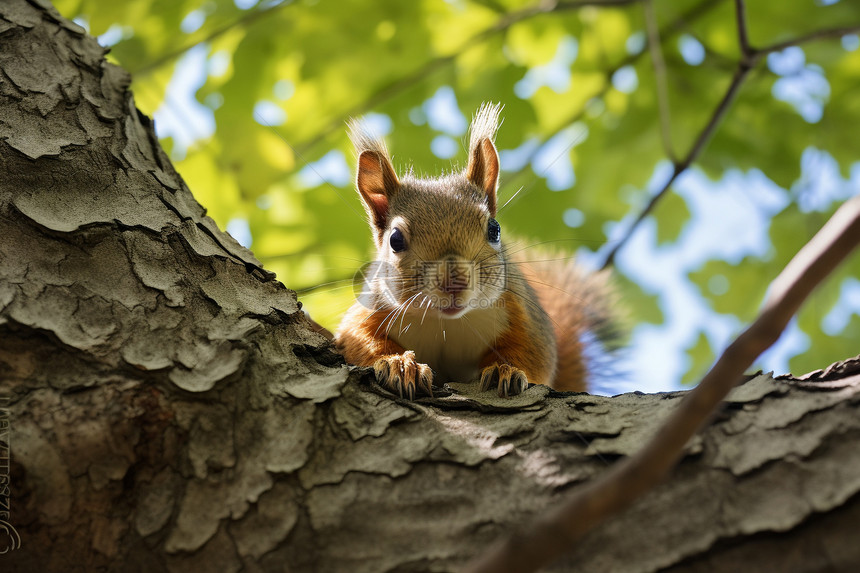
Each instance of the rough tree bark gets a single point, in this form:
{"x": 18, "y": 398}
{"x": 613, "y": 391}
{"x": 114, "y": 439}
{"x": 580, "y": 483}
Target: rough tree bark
{"x": 171, "y": 410}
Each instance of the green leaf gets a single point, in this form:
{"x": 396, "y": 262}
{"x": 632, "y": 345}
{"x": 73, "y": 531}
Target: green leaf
{"x": 671, "y": 216}
{"x": 700, "y": 356}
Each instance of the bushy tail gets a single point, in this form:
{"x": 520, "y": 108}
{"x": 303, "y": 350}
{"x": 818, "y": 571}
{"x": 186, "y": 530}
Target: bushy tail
{"x": 583, "y": 310}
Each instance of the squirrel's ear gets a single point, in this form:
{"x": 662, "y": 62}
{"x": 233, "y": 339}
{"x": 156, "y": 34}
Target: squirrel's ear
{"x": 483, "y": 168}
{"x": 376, "y": 182}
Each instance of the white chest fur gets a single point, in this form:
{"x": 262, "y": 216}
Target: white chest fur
{"x": 452, "y": 347}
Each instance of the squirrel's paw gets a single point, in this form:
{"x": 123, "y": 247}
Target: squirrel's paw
{"x": 404, "y": 375}
{"x": 509, "y": 380}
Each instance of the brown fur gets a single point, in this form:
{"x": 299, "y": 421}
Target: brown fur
{"x": 529, "y": 324}
{"x": 577, "y": 303}
{"x": 364, "y": 345}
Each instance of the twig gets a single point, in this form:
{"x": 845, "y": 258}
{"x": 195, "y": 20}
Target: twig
{"x": 817, "y": 35}
{"x": 670, "y": 30}
{"x": 502, "y": 24}
{"x": 576, "y": 4}
{"x": 542, "y": 542}
{"x": 246, "y": 19}
{"x": 743, "y": 34}
{"x": 704, "y": 136}
{"x": 660, "y": 79}
{"x": 750, "y": 57}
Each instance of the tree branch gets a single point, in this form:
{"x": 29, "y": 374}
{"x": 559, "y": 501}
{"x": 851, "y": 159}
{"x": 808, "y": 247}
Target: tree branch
{"x": 750, "y": 57}
{"x": 692, "y": 14}
{"x": 545, "y": 540}
{"x": 660, "y": 79}
{"x": 704, "y": 136}
{"x": 576, "y": 4}
{"x": 429, "y": 67}
{"x": 248, "y": 18}
{"x": 812, "y": 36}
{"x": 743, "y": 36}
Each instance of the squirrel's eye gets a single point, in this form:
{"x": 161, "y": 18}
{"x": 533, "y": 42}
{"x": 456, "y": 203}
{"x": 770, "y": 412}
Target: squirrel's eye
{"x": 397, "y": 241}
{"x": 494, "y": 231}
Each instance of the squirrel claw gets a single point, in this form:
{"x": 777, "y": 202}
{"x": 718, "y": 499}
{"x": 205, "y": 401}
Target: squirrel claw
{"x": 403, "y": 375}
{"x": 509, "y": 380}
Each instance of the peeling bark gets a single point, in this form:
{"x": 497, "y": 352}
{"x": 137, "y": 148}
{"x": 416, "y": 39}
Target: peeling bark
{"x": 171, "y": 409}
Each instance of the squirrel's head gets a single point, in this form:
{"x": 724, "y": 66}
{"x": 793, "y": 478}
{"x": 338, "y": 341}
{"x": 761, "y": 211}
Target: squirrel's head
{"x": 439, "y": 244}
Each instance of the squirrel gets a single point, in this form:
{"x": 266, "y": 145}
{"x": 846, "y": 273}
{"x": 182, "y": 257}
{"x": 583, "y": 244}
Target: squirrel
{"x": 446, "y": 301}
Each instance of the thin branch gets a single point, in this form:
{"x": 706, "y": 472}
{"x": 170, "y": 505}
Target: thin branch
{"x": 246, "y": 19}
{"x": 253, "y": 15}
{"x": 542, "y": 542}
{"x": 719, "y": 112}
{"x": 419, "y": 74}
{"x": 749, "y": 59}
{"x": 812, "y": 36}
{"x": 574, "y": 4}
{"x": 743, "y": 34}
{"x": 670, "y": 30}
{"x": 704, "y": 136}
{"x": 660, "y": 78}
{"x": 501, "y": 25}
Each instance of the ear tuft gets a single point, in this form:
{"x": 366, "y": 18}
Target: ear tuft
{"x": 485, "y": 123}
{"x": 375, "y": 177}
{"x": 483, "y": 168}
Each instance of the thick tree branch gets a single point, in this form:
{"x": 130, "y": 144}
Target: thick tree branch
{"x": 545, "y": 540}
